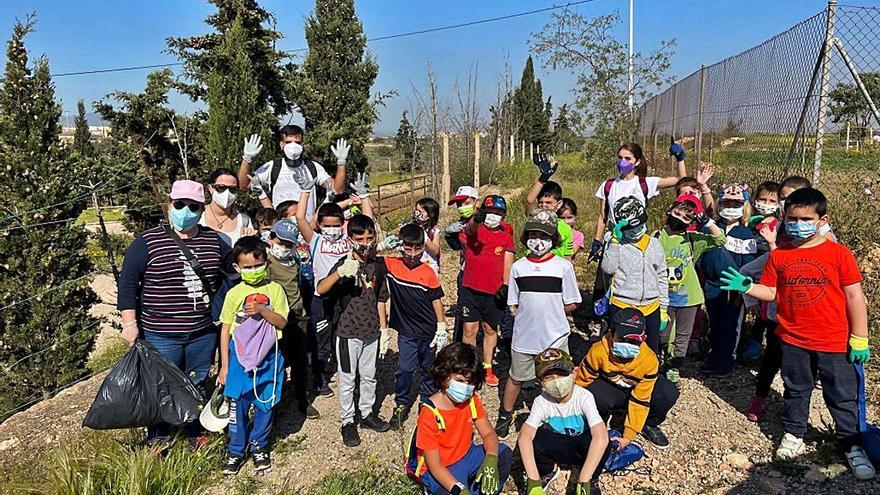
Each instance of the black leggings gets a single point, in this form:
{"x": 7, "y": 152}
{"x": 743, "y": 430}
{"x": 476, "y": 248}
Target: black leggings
{"x": 770, "y": 363}
{"x": 552, "y": 448}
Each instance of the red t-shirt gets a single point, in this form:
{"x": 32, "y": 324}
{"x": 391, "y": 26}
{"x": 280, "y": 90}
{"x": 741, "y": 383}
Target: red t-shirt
{"x": 810, "y": 299}
{"x": 454, "y": 442}
{"x": 484, "y": 258}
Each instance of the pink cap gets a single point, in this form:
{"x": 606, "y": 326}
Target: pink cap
{"x": 188, "y": 189}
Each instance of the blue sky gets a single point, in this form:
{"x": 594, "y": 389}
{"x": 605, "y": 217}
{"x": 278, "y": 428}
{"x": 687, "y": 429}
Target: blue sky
{"x": 95, "y": 34}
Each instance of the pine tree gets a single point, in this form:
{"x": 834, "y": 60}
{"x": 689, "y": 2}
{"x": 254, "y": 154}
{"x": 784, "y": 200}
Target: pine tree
{"x": 529, "y": 100}
{"x": 82, "y": 137}
{"x": 332, "y": 88}
{"x": 405, "y": 143}
{"x": 44, "y": 269}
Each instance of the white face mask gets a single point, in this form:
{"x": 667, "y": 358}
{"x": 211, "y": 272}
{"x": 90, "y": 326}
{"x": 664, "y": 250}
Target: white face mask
{"x": 225, "y": 199}
{"x": 492, "y": 220}
{"x": 293, "y": 151}
{"x": 281, "y": 253}
{"x": 539, "y": 247}
{"x": 332, "y": 233}
{"x": 731, "y": 213}
{"x": 766, "y": 209}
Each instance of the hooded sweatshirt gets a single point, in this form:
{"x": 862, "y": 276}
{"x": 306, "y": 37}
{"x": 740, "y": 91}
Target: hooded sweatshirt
{"x": 638, "y": 272}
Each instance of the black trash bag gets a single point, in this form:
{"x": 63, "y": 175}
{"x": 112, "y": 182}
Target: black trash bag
{"x": 144, "y": 389}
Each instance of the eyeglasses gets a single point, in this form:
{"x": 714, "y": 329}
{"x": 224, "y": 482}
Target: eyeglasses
{"x": 193, "y": 207}
{"x": 222, "y": 188}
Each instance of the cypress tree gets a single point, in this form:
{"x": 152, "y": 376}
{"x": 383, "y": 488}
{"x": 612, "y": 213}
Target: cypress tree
{"x": 44, "y": 269}
{"x": 82, "y": 137}
{"x": 530, "y": 107}
{"x": 405, "y": 143}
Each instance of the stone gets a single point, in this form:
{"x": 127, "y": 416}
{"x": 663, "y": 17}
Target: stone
{"x": 815, "y": 475}
{"x": 834, "y": 470}
{"x": 738, "y": 461}
{"x": 770, "y": 486}
{"x": 9, "y": 443}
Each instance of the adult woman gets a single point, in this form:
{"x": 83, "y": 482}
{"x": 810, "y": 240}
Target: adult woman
{"x": 221, "y": 214}
{"x": 165, "y": 299}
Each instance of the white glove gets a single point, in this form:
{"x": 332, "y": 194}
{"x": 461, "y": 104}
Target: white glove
{"x": 340, "y": 150}
{"x": 455, "y": 228}
{"x": 252, "y": 148}
{"x": 441, "y": 338}
{"x": 303, "y": 179}
{"x": 349, "y": 267}
{"x": 384, "y": 341}
{"x": 360, "y": 186}
{"x": 256, "y": 188}
{"x": 391, "y": 243}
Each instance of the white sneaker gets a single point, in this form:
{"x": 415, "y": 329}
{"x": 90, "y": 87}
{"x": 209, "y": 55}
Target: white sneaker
{"x": 790, "y": 447}
{"x": 859, "y": 463}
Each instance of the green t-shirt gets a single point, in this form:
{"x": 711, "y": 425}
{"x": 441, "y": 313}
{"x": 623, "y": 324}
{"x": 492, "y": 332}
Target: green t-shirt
{"x": 682, "y": 252}
{"x": 233, "y": 306}
{"x": 288, "y": 276}
{"x": 566, "y": 240}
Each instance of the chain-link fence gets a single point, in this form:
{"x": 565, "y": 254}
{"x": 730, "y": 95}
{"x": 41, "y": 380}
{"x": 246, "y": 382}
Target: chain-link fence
{"x": 801, "y": 103}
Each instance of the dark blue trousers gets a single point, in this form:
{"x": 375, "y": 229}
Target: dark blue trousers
{"x": 413, "y": 354}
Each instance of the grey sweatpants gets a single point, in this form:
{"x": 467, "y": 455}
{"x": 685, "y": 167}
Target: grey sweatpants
{"x": 359, "y": 357}
{"x": 682, "y": 319}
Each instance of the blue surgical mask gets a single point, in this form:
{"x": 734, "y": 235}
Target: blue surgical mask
{"x": 623, "y": 350}
{"x": 459, "y": 392}
{"x": 802, "y": 229}
{"x": 183, "y": 219}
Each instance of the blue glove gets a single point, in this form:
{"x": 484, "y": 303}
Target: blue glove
{"x": 595, "y": 251}
{"x": 617, "y": 233}
{"x": 677, "y": 151}
{"x": 736, "y": 281}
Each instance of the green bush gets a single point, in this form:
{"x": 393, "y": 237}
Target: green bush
{"x": 369, "y": 479}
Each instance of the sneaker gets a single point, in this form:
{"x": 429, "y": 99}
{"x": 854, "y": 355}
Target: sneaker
{"x": 375, "y": 423}
{"x": 325, "y": 391}
{"x": 502, "y": 426}
{"x": 350, "y": 435}
{"x": 673, "y": 375}
{"x": 859, "y": 463}
{"x": 233, "y": 464}
{"x": 550, "y": 477}
{"x": 491, "y": 379}
{"x": 398, "y": 418}
{"x": 656, "y": 436}
{"x": 308, "y": 410}
{"x": 757, "y": 409}
{"x": 791, "y": 447}
{"x": 752, "y": 350}
{"x": 262, "y": 459}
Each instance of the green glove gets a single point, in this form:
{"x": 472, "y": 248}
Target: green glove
{"x": 583, "y": 488}
{"x": 534, "y": 487}
{"x": 755, "y": 220}
{"x": 617, "y": 233}
{"x": 664, "y": 319}
{"x": 859, "y": 351}
{"x": 487, "y": 475}
{"x": 734, "y": 280}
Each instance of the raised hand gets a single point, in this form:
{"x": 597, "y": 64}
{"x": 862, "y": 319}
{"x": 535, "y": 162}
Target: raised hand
{"x": 303, "y": 179}
{"x": 360, "y": 186}
{"x": 391, "y": 243}
{"x": 455, "y": 227}
{"x": 546, "y": 165}
{"x": 349, "y": 267}
{"x": 735, "y": 281}
{"x": 704, "y": 174}
{"x": 252, "y": 147}
{"x": 677, "y": 151}
{"x": 340, "y": 150}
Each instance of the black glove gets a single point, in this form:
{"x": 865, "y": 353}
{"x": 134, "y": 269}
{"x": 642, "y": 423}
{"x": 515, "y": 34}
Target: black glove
{"x": 547, "y": 169}
{"x": 480, "y": 216}
{"x": 595, "y": 251}
{"x": 501, "y": 295}
{"x": 701, "y": 219}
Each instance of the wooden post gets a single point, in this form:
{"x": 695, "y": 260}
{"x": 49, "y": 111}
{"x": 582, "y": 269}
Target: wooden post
{"x": 531, "y": 149}
{"x": 477, "y": 160}
{"x": 847, "y": 136}
{"x": 444, "y": 194}
{"x": 389, "y": 164}
{"x": 498, "y": 149}
{"x": 512, "y": 149}
{"x": 522, "y": 150}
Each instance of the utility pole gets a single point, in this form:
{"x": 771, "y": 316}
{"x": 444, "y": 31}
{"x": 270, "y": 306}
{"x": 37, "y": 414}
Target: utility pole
{"x": 105, "y": 237}
{"x": 629, "y": 71}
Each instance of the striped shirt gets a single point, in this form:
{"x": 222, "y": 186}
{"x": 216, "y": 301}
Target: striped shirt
{"x": 157, "y": 280}
{"x": 413, "y": 292}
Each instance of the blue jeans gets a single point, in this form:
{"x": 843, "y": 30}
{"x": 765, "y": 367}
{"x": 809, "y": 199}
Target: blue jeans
{"x": 725, "y": 324}
{"x": 465, "y": 470}
{"x": 413, "y": 353}
{"x": 193, "y": 353}
{"x": 243, "y": 434}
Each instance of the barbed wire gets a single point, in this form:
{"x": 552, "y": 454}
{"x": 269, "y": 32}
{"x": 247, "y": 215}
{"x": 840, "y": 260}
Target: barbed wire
{"x": 4, "y": 415}
{"x": 51, "y": 289}
{"x": 54, "y": 345}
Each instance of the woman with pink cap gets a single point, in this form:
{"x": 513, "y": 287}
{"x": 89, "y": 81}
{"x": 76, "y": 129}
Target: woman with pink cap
{"x": 168, "y": 277}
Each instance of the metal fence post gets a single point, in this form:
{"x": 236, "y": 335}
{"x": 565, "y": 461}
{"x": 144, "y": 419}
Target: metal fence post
{"x": 498, "y": 149}
{"x": 512, "y": 149}
{"x": 699, "y": 143}
{"x": 674, "y": 105}
{"x": 654, "y": 129}
{"x": 477, "y": 160}
{"x": 823, "y": 90}
{"x": 444, "y": 195}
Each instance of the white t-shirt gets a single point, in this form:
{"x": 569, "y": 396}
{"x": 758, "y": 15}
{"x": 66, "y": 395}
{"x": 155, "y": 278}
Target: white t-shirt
{"x": 541, "y": 290}
{"x": 567, "y": 418}
{"x": 286, "y": 188}
{"x": 623, "y": 188}
{"x": 242, "y": 221}
{"x": 325, "y": 254}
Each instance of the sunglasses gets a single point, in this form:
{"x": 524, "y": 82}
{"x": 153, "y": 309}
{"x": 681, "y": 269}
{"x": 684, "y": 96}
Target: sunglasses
{"x": 222, "y": 188}
{"x": 193, "y": 207}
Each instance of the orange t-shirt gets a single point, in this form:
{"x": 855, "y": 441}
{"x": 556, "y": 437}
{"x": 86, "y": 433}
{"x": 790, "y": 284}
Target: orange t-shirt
{"x": 810, "y": 299}
{"x": 456, "y": 440}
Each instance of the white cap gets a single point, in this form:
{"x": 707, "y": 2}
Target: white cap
{"x": 464, "y": 192}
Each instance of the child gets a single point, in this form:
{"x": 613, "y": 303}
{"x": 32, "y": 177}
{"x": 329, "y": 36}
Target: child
{"x": 564, "y": 427}
{"x": 823, "y": 325}
{"x": 354, "y": 288}
{"x": 792, "y": 184}
{"x": 543, "y": 289}
{"x": 454, "y": 465}
{"x": 327, "y": 248}
{"x": 699, "y": 186}
{"x": 488, "y": 254}
{"x": 683, "y": 248}
{"x": 254, "y": 312}
{"x": 465, "y": 201}
{"x": 283, "y": 269}
{"x": 725, "y": 309}
{"x": 426, "y": 215}
{"x": 637, "y": 264}
{"x": 621, "y": 372}
{"x": 416, "y": 314}
{"x": 568, "y": 213}
{"x": 265, "y": 218}
{"x": 547, "y": 195}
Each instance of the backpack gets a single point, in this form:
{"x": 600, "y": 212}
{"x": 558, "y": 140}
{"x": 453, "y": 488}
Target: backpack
{"x": 643, "y": 184}
{"x": 623, "y": 458}
{"x": 320, "y": 192}
{"x": 414, "y": 462}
